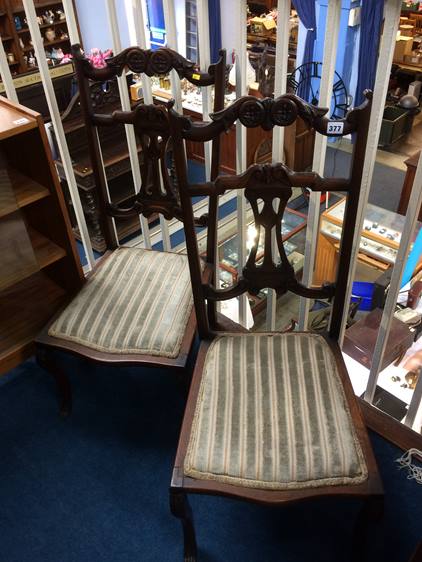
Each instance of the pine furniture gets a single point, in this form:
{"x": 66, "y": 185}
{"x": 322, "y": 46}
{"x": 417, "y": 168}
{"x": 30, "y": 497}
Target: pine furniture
{"x": 39, "y": 264}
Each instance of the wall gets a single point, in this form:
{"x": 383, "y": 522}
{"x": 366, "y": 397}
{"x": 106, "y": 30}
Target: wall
{"x": 94, "y": 27}
{"x": 230, "y": 35}
{"x": 95, "y": 31}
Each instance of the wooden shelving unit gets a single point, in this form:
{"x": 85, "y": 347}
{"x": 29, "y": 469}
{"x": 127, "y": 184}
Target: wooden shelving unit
{"x": 39, "y": 264}
{"x": 26, "y": 191}
{"x": 14, "y": 32}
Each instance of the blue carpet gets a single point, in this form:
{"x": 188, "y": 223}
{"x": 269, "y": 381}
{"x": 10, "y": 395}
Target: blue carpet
{"x": 94, "y": 487}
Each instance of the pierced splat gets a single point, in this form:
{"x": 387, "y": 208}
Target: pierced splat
{"x": 157, "y": 193}
{"x": 268, "y": 188}
{"x": 273, "y": 203}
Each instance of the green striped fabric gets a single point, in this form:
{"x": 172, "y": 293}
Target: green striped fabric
{"x": 272, "y": 414}
{"x": 139, "y": 301}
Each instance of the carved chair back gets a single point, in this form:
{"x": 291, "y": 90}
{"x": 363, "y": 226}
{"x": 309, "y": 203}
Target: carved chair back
{"x": 268, "y": 187}
{"x": 157, "y": 193}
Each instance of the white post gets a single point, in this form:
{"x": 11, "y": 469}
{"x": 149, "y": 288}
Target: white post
{"x": 328, "y": 68}
{"x": 135, "y": 14}
{"x": 280, "y": 82}
{"x": 388, "y": 40}
{"x": 205, "y": 60}
{"x": 241, "y": 90}
{"x": 72, "y": 26}
{"x": 34, "y": 29}
{"x": 135, "y": 11}
{"x": 125, "y": 101}
{"x": 415, "y": 203}
{"x": 171, "y": 35}
{"x": 6, "y": 75}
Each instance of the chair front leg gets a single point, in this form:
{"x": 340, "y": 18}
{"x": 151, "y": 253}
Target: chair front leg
{"x": 180, "y": 508}
{"x": 64, "y": 390}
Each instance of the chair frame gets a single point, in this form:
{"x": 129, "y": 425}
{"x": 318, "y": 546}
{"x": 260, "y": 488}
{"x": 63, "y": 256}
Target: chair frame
{"x": 268, "y": 182}
{"x": 150, "y": 122}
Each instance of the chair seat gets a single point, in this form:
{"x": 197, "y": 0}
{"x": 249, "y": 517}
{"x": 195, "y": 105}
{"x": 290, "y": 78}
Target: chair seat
{"x": 271, "y": 413}
{"x": 138, "y": 301}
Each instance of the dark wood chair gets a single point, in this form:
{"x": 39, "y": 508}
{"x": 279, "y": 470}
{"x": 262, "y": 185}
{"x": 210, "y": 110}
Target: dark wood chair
{"x": 272, "y": 417}
{"x": 136, "y": 307}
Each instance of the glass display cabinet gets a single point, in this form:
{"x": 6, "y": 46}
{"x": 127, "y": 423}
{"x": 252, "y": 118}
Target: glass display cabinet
{"x": 379, "y": 243}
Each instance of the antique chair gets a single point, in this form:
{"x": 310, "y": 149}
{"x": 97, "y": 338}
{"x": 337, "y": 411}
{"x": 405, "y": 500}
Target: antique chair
{"x": 136, "y": 308}
{"x": 271, "y": 417}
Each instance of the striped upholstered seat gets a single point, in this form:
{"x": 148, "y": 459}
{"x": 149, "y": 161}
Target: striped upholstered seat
{"x": 271, "y": 414}
{"x": 139, "y": 301}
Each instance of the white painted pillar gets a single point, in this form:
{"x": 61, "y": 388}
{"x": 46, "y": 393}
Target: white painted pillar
{"x": 125, "y": 102}
{"x": 280, "y": 82}
{"x": 327, "y": 78}
{"x": 47, "y": 82}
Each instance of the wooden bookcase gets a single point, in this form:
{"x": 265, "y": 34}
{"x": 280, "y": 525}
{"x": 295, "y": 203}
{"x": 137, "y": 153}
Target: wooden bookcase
{"x": 16, "y": 37}
{"x": 39, "y": 264}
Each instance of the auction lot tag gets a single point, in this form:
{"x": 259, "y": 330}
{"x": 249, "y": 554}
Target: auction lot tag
{"x": 335, "y": 128}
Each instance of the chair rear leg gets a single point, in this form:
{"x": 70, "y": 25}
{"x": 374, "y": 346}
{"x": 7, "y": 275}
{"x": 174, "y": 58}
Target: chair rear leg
{"x": 180, "y": 508}
{"x": 64, "y": 390}
{"x": 371, "y": 512}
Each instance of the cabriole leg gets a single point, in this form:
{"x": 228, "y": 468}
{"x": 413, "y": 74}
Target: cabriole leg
{"x": 64, "y": 391}
{"x": 181, "y": 509}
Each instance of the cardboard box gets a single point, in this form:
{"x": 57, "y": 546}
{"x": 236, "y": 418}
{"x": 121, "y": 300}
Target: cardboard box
{"x": 403, "y": 47}
{"x": 262, "y": 26}
{"x": 136, "y": 92}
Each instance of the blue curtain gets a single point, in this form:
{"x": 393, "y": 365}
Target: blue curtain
{"x": 306, "y": 12}
{"x": 370, "y": 29}
{"x": 215, "y": 28}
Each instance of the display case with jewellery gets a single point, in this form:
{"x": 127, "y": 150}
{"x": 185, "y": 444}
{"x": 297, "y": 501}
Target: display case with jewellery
{"x": 379, "y": 242}
{"x": 293, "y": 226}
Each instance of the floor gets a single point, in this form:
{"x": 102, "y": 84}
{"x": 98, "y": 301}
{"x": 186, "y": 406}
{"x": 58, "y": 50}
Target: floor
{"x": 94, "y": 487}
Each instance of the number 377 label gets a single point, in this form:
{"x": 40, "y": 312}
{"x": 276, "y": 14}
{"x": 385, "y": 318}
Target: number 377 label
{"x": 335, "y": 128}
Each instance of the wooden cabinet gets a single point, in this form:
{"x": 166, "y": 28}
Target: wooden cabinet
{"x": 298, "y": 146}
{"x": 411, "y": 164}
{"x": 17, "y": 39}
{"x": 39, "y": 264}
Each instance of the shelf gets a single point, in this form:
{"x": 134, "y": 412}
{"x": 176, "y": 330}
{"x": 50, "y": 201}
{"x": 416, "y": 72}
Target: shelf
{"x": 44, "y": 26}
{"x": 7, "y": 38}
{"x": 56, "y": 41}
{"x": 13, "y": 63}
{"x": 45, "y": 4}
{"x": 26, "y": 191}
{"x": 25, "y": 308}
{"x": 46, "y": 251}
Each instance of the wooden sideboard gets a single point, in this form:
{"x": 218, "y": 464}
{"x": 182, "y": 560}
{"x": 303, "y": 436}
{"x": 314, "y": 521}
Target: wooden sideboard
{"x": 298, "y": 146}
{"x": 411, "y": 164}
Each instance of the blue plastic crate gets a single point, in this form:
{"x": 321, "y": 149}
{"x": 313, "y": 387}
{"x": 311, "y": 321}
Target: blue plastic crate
{"x": 365, "y": 291}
